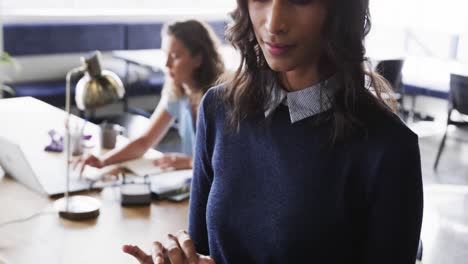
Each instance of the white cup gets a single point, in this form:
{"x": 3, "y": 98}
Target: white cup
{"x": 76, "y": 142}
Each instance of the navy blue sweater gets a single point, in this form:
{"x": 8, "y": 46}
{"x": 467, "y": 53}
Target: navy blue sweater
{"x": 277, "y": 192}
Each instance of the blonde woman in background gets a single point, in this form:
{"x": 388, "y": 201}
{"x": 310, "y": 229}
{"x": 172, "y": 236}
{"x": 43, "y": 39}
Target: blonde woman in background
{"x": 193, "y": 66}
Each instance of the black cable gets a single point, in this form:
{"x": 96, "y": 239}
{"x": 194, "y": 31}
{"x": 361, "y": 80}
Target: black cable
{"x": 116, "y": 183}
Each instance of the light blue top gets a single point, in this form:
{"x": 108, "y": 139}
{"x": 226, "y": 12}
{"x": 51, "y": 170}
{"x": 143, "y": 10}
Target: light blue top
{"x": 180, "y": 109}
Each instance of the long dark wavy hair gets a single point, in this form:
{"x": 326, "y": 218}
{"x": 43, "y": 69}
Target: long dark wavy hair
{"x": 199, "y": 38}
{"x": 346, "y": 25}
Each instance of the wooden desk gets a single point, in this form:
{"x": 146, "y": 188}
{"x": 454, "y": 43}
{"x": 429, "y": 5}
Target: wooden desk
{"x": 50, "y": 239}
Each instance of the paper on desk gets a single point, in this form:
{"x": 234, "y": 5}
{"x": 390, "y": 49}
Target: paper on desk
{"x": 139, "y": 167}
{"x": 94, "y": 174}
{"x": 142, "y": 167}
{"x": 170, "y": 180}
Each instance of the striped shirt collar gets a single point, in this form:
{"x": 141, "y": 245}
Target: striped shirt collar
{"x": 303, "y": 103}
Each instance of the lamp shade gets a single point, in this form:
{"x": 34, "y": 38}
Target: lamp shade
{"x": 97, "y": 87}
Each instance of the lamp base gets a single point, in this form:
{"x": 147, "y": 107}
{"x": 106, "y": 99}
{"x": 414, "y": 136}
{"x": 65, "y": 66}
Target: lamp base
{"x": 79, "y": 207}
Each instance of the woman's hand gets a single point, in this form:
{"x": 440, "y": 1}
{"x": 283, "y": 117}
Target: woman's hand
{"x": 176, "y": 161}
{"x": 178, "y": 249}
{"x": 90, "y": 160}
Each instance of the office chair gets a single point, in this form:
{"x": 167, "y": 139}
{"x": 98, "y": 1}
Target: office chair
{"x": 458, "y": 100}
{"x": 391, "y": 71}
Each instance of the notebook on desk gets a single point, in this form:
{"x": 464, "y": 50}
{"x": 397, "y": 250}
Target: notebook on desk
{"x": 15, "y": 164}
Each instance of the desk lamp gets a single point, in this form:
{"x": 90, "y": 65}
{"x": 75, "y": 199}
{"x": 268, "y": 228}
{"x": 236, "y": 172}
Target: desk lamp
{"x": 96, "y": 88}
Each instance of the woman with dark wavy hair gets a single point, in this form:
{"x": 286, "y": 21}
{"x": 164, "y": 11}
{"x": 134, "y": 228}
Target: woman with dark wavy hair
{"x": 194, "y": 64}
{"x": 300, "y": 158}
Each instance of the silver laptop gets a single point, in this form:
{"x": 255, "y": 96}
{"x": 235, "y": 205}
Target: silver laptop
{"x": 14, "y": 163}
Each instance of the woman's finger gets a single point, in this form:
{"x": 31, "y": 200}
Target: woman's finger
{"x": 174, "y": 252}
{"x": 139, "y": 254}
{"x": 187, "y": 246}
{"x": 82, "y": 167}
{"x": 162, "y": 160}
{"x": 167, "y": 165}
{"x": 164, "y": 165}
{"x": 77, "y": 162}
{"x": 206, "y": 260}
{"x": 86, "y": 162}
{"x": 158, "y": 253}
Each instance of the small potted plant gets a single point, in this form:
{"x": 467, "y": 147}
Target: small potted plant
{"x": 5, "y": 58}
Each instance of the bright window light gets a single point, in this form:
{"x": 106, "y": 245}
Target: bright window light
{"x": 85, "y": 7}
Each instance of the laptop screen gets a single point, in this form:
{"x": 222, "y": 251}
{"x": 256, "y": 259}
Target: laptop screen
{"x": 16, "y": 166}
